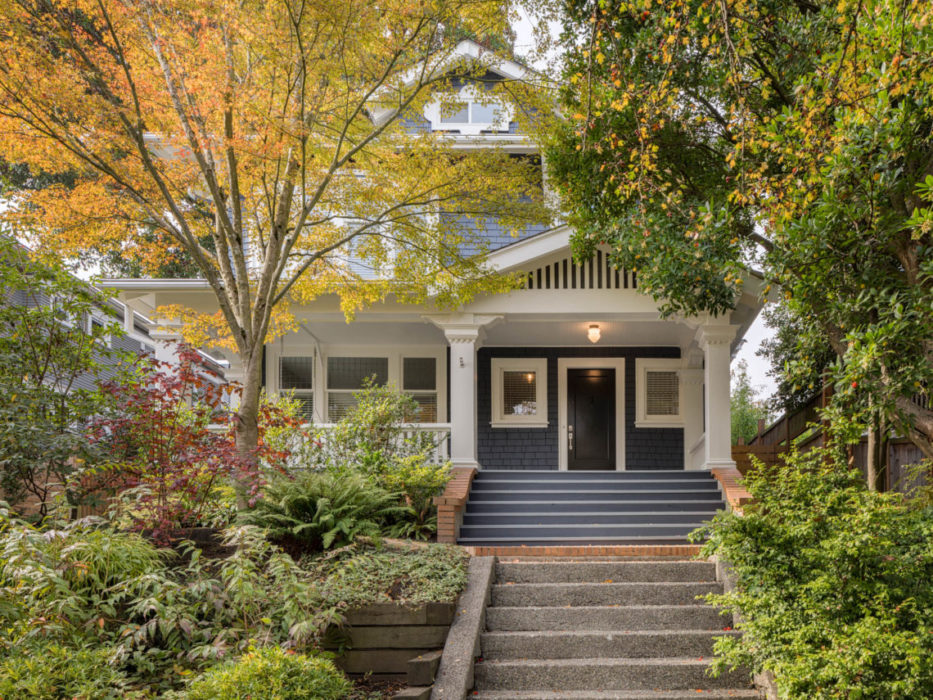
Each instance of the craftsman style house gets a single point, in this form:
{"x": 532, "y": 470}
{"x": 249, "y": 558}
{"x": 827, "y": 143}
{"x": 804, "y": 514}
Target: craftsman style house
{"x": 577, "y": 370}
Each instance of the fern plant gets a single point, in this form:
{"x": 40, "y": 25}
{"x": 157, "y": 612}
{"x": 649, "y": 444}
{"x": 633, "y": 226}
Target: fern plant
{"x": 321, "y": 510}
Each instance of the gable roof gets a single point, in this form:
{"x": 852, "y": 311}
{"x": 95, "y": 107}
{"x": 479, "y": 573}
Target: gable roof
{"x": 468, "y": 51}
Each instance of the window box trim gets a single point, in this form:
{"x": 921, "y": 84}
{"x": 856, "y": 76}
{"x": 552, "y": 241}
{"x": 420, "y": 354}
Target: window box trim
{"x": 499, "y": 365}
{"x": 643, "y": 365}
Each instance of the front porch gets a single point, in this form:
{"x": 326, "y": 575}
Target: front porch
{"x": 576, "y": 370}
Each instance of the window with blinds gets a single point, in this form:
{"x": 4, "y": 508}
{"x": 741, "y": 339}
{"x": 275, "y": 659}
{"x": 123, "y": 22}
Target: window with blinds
{"x": 657, "y": 393}
{"x": 419, "y": 380}
{"x": 519, "y": 393}
{"x": 296, "y": 376}
{"x": 662, "y": 393}
{"x": 346, "y": 376}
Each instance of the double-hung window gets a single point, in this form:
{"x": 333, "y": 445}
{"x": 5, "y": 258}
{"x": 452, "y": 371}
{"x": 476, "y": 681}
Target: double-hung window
{"x": 346, "y": 376}
{"x": 519, "y": 392}
{"x": 419, "y": 380}
{"x": 296, "y": 376}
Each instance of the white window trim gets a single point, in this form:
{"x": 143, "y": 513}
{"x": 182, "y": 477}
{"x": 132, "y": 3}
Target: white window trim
{"x": 538, "y": 365}
{"x": 107, "y": 338}
{"x": 643, "y": 365}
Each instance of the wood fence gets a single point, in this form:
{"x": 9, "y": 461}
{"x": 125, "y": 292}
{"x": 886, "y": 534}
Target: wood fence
{"x": 804, "y": 429}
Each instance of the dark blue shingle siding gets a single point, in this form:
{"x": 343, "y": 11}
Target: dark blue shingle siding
{"x": 536, "y": 448}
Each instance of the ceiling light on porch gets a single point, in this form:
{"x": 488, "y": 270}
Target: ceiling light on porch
{"x": 593, "y": 333}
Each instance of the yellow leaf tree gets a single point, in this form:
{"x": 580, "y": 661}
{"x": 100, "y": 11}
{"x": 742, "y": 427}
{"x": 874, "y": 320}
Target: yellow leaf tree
{"x": 265, "y": 141}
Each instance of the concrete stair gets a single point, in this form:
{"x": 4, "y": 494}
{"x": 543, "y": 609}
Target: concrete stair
{"x": 508, "y": 508}
{"x": 625, "y": 629}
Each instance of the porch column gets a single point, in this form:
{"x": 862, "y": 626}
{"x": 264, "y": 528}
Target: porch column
{"x": 463, "y": 345}
{"x": 715, "y": 339}
{"x": 464, "y": 333}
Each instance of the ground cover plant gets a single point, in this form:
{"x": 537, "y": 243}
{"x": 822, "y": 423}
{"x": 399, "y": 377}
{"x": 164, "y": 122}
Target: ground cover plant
{"x": 363, "y": 574}
{"x": 833, "y": 583}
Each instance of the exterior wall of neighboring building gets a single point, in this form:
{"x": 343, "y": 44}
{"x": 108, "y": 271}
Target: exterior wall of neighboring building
{"x": 537, "y": 448}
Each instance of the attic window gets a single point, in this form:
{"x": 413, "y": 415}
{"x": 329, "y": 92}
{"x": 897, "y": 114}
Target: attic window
{"x": 486, "y": 114}
{"x": 471, "y": 111}
{"x": 657, "y": 389}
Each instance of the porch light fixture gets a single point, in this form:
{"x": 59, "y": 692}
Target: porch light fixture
{"x": 593, "y": 333}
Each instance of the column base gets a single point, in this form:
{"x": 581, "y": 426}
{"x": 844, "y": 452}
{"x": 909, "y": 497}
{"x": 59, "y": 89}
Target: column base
{"x": 719, "y": 464}
{"x": 469, "y": 463}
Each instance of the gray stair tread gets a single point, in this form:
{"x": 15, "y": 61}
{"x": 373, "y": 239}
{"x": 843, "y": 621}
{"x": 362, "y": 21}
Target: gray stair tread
{"x": 595, "y": 634}
{"x": 661, "y": 528}
{"x": 543, "y": 541}
{"x": 620, "y": 488}
{"x": 595, "y": 607}
{"x": 593, "y": 572}
{"x": 604, "y": 593}
{"x": 718, "y": 694}
{"x": 620, "y": 504}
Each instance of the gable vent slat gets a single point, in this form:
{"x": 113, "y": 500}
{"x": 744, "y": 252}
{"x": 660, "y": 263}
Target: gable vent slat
{"x": 596, "y": 273}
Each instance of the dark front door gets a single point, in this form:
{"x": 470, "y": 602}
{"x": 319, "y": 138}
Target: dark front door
{"x": 591, "y": 419}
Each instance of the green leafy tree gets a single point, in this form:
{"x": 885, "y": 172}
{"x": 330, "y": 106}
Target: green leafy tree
{"x": 50, "y": 357}
{"x": 747, "y": 408}
{"x": 704, "y": 135}
{"x": 799, "y": 355}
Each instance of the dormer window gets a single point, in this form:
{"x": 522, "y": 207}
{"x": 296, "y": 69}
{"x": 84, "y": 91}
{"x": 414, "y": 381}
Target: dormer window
{"x": 473, "y": 113}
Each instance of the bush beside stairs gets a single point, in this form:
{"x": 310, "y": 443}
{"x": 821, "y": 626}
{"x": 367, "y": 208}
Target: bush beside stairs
{"x": 603, "y": 629}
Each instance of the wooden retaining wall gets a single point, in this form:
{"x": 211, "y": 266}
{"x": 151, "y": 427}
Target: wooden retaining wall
{"x": 396, "y": 640}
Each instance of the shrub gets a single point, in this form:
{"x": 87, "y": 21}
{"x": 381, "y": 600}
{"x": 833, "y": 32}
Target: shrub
{"x": 89, "y": 584}
{"x": 271, "y": 673}
{"x": 50, "y": 354}
{"x": 161, "y": 446}
{"x": 51, "y": 671}
{"x": 419, "y": 481}
{"x": 323, "y": 509}
{"x": 833, "y": 583}
{"x": 371, "y": 440}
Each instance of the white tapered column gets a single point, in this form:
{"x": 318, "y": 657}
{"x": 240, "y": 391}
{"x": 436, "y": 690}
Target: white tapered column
{"x": 464, "y": 333}
{"x": 463, "y": 344}
{"x": 716, "y": 340}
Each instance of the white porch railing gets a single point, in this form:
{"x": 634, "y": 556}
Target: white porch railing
{"x": 439, "y": 436}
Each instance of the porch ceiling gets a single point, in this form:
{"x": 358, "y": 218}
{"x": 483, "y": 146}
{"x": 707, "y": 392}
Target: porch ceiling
{"x": 523, "y": 331}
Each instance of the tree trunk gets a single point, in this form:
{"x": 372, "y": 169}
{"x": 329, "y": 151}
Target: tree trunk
{"x": 247, "y": 418}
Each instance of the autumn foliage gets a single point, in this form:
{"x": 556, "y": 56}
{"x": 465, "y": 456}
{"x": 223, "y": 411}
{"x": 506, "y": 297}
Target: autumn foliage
{"x": 262, "y": 144}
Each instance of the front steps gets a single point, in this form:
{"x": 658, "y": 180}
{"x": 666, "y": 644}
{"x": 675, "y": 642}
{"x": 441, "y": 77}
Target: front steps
{"x": 548, "y": 508}
{"x": 607, "y": 629}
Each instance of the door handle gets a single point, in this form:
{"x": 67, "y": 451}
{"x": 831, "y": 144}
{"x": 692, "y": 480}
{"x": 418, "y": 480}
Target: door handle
{"x": 570, "y": 438}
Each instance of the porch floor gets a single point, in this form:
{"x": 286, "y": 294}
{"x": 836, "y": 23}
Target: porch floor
{"x": 644, "y": 509}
